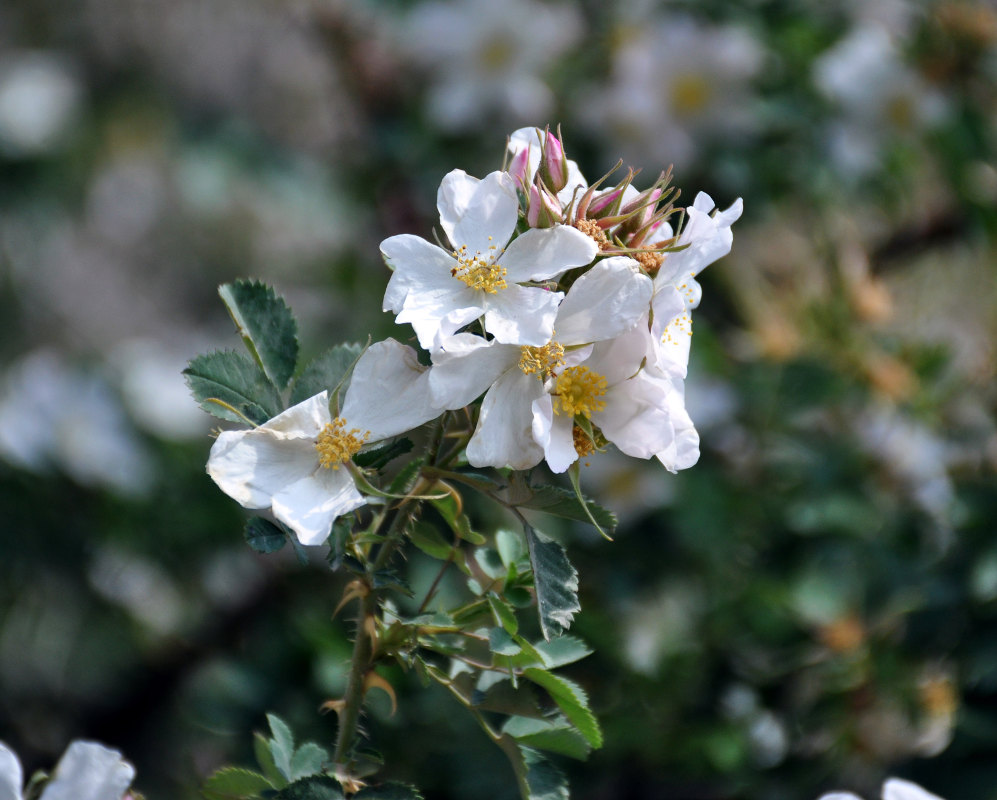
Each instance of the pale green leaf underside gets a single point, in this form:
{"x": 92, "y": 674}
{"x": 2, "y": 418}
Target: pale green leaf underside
{"x": 266, "y": 325}
{"x": 555, "y": 582}
{"x": 234, "y": 380}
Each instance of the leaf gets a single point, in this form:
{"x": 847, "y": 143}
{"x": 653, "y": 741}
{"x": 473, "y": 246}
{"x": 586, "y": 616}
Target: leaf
{"x": 509, "y": 546}
{"x": 233, "y": 783}
{"x": 261, "y": 748}
{"x": 308, "y": 760}
{"x": 328, "y": 372}
{"x": 266, "y": 326}
{"x": 263, "y": 536}
{"x": 543, "y": 780}
{"x": 314, "y": 787}
{"x": 501, "y": 643}
{"x": 562, "y": 650}
{"x": 281, "y": 745}
{"x": 231, "y": 387}
{"x": 571, "y": 699}
{"x": 405, "y": 479}
{"x": 585, "y": 504}
{"x": 556, "y": 736}
{"x": 458, "y": 521}
{"x": 389, "y": 791}
{"x": 430, "y": 541}
{"x": 564, "y": 503}
{"x": 504, "y": 615}
{"x": 377, "y": 457}
{"x": 555, "y": 582}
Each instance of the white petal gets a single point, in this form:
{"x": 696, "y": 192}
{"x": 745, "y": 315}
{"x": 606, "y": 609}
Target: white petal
{"x": 389, "y": 392}
{"x": 898, "y": 789}
{"x": 618, "y": 359}
{"x": 554, "y": 433}
{"x": 11, "y": 775}
{"x": 89, "y": 771}
{"x": 490, "y": 217}
{"x": 310, "y": 506}
{"x": 417, "y": 266}
{"x": 634, "y": 419}
{"x": 251, "y": 466}
{"x": 522, "y": 315}
{"x": 465, "y": 366}
{"x": 671, "y": 332}
{"x": 707, "y": 239}
{"x": 543, "y": 253}
{"x": 839, "y": 796}
{"x": 606, "y": 301}
{"x": 453, "y": 199}
{"x": 504, "y": 434}
{"x": 303, "y": 420}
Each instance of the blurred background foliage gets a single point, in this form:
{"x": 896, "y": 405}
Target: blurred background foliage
{"x": 814, "y": 605}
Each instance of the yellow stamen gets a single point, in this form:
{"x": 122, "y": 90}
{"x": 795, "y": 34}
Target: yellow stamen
{"x": 577, "y": 391}
{"x": 541, "y": 361}
{"x": 480, "y": 271}
{"x": 336, "y": 445}
{"x": 584, "y": 446}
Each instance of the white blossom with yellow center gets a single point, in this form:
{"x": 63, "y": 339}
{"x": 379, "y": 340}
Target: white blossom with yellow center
{"x": 86, "y": 771}
{"x": 440, "y": 291}
{"x": 602, "y": 304}
{"x": 293, "y": 464}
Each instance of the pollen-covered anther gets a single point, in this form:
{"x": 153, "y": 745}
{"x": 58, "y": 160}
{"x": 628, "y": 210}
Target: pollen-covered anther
{"x": 591, "y": 229}
{"x": 336, "y": 445}
{"x": 541, "y": 361}
{"x": 649, "y": 261}
{"x": 584, "y": 446}
{"x": 577, "y": 391}
{"x": 479, "y": 271}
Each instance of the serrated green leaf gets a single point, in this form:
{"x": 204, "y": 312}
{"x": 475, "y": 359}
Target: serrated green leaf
{"x": 501, "y": 643}
{"x": 314, "y": 787}
{"x": 263, "y": 536}
{"x": 234, "y": 783}
{"x": 377, "y": 457}
{"x": 428, "y": 539}
{"x": 543, "y": 779}
{"x": 261, "y": 748}
{"x": 389, "y": 791}
{"x": 231, "y": 387}
{"x": 555, "y": 736}
{"x": 564, "y": 503}
{"x": 509, "y": 545}
{"x": 281, "y": 745}
{"x": 504, "y": 614}
{"x": 571, "y": 699}
{"x": 458, "y": 521}
{"x": 328, "y": 372}
{"x": 405, "y": 479}
{"x": 266, "y": 325}
{"x": 562, "y": 650}
{"x": 555, "y": 582}
{"x": 308, "y": 760}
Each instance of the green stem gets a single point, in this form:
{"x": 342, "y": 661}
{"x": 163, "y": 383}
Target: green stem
{"x": 349, "y": 716}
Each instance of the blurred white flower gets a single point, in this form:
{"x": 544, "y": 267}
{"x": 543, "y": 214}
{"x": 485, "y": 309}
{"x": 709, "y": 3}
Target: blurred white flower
{"x": 877, "y": 94}
{"x": 292, "y": 463}
{"x": 52, "y": 414}
{"x": 489, "y": 57}
{"x": 893, "y": 789}
{"x": 674, "y": 82}
{"x": 40, "y": 97}
{"x": 86, "y": 771}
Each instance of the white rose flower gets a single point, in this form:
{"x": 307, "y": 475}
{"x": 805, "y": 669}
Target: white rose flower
{"x": 439, "y": 291}
{"x": 86, "y": 771}
{"x": 292, "y": 463}
{"x": 893, "y": 789}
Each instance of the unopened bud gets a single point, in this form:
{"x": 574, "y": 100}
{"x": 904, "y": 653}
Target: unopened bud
{"x": 519, "y": 169}
{"x": 544, "y": 209}
{"x": 606, "y": 204}
{"x": 553, "y": 165}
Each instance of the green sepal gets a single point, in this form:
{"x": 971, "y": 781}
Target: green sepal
{"x": 263, "y": 536}
{"x": 389, "y": 791}
{"x": 555, "y": 736}
{"x": 571, "y": 699}
{"x": 587, "y": 505}
{"x": 234, "y": 783}
{"x": 266, "y": 325}
{"x": 328, "y": 372}
{"x": 230, "y": 386}
{"x": 555, "y": 582}
{"x": 379, "y": 456}
{"x": 405, "y": 479}
{"x": 314, "y": 787}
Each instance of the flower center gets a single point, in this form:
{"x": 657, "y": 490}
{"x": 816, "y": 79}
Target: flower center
{"x": 577, "y": 391}
{"x": 541, "y": 361}
{"x": 479, "y": 271}
{"x": 690, "y": 94}
{"x": 337, "y": 445}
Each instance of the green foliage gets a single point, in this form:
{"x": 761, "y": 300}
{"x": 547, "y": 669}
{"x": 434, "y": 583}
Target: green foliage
{"x": 266, "y": 325}
{"x": 328, "y": 372}
{"x": 231, "y": 387}
{"x": 569, "y": 505}
{"x": 263, "y": 536}
{"x": 572, "y": 700}
{"x": 315, "y": 787}
{"x": 391, "y": 790}
{"x": 554, "y": 736}
{"x": 291, "y": 762}
{"x": 233, "y": 783}
{"x": 555, "y": 582}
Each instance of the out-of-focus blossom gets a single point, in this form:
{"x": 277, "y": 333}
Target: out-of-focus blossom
{"x": 489, "y": 57}
{"x": 893, "y": 789}
{"x": 675, "y": 82}
{"x": 877, "y": 94}
{"x": 140, "y": 586}
{"x": 54, "y": 415}
{"x": 40, "y": 96}
{"x": 86, "y": 771}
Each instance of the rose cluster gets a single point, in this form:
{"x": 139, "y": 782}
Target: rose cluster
{"x": 565, "y": 304}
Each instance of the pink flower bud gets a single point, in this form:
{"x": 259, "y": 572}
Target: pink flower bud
{"x": 605, "y": 204}
{"x": 553, "y": 165}
{"x": 544, "y": 209}
{"x": 519, "y": 168}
